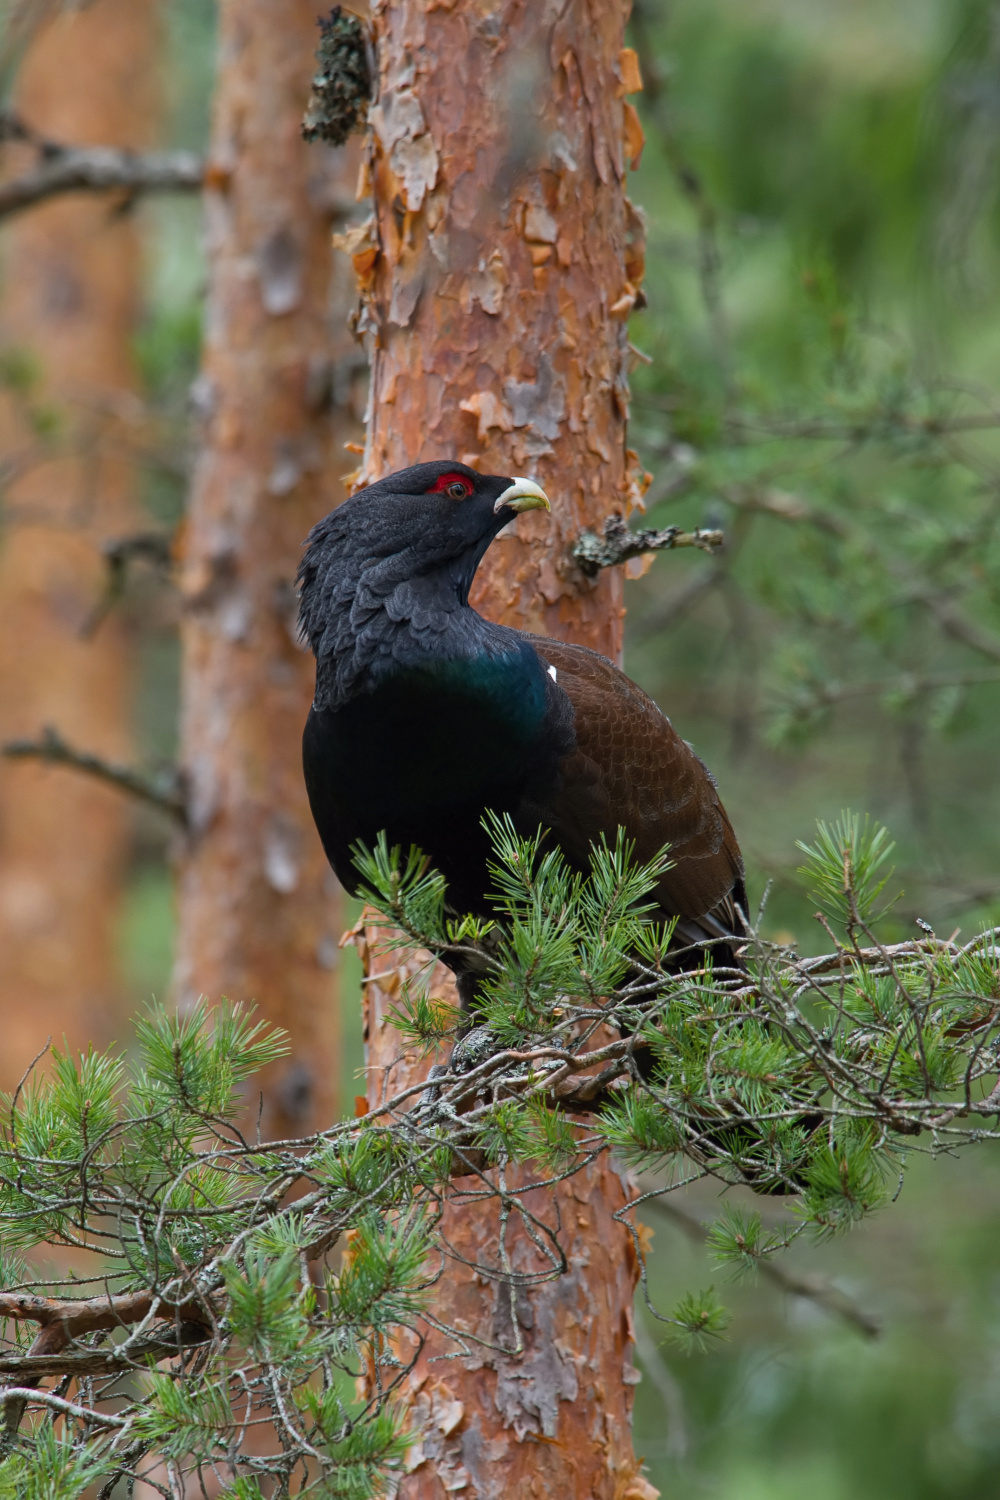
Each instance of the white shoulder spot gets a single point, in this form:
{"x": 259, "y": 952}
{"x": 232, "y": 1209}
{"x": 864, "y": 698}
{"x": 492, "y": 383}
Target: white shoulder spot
{"x": 552, "y": 672}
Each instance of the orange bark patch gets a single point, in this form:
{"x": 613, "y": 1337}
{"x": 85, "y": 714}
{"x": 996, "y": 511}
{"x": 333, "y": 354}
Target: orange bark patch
{"x": 635, "y": 136}
{"x": 628, "y": 72}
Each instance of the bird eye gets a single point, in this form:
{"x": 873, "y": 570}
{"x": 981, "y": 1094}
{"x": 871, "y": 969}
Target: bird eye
{"x": 455, "y": 486}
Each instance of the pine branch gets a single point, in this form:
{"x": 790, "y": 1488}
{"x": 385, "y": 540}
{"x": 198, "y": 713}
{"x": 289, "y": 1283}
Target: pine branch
{"x": 164, "y": 791}
{"x": 804, "y": 1077}
{"x": 816, "y": 1289}
{"x": 618, "y": 544}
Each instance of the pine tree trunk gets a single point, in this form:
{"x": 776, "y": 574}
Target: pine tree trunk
{"x": 257, "y": 910}
{"x": 506, "y": 266}
{"x": 71, "y": 285}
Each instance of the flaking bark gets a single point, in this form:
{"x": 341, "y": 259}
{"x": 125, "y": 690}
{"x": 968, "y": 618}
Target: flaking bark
{"x": 496, "y": 277}
{"x": 554, "y": 1415}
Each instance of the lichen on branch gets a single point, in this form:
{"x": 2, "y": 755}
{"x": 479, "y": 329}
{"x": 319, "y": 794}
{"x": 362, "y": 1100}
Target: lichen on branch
{"x": 617, "y": 544}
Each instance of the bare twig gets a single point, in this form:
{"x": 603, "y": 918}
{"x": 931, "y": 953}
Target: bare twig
{"x": 161, "y": 791}
{"x": 766, "y": 500}
{"x": 18, "y": 1397}
{"x": 79, "y": 1362}
{"x": 100, "y": 169}
{"x": 149, "y": 546}
{"x": 958, "y": 625}
{"x": 25, "y": 1076}
{"x": 618, "y": 544}
{"x": 681, "y": 602}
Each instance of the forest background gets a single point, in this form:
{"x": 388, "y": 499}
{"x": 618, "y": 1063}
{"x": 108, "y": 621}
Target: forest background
{"x": 822, "y": 188}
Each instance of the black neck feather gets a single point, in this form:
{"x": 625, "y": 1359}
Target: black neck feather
{"x": 369, "y": 618}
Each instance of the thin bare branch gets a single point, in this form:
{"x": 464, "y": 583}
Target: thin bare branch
{"x": 677, "y": 604}
{"x": 618, "y": 544}
{"x": 766, "y": 500}
{"x": 163, "y": 791}
{"x": 79, "y": 1362}
{"x": 147, "y": 546}
{"x": 20, "y": 1397}
{"x": 101, "y": 169}
{"x": 669, "y": 1388}
{"x": 958, "y": 625}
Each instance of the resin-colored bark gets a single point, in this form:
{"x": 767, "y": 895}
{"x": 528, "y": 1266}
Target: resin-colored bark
{"x": 553, "y": 1416}
{"x": 496, "y": 279}
{"x": 71, "y": 279}
{"x": 499, "y": 275}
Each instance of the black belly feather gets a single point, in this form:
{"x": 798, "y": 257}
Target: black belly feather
{"x": 424, "y": 756}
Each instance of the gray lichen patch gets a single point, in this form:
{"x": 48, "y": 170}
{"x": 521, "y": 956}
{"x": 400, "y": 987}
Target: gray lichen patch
{"x": 341, "y": 90}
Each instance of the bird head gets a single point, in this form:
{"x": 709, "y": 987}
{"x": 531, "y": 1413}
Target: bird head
{"x": 409, "y": 544}
{"x": 439, "y": 509}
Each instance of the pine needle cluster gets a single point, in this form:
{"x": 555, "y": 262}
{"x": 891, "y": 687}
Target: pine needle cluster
{"x": 227, "y": 1293}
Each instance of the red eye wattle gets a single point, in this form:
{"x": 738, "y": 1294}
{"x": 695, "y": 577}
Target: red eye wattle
{"x": 456, "y": 486}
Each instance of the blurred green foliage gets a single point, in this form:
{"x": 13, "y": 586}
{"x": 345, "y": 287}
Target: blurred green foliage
{"x": 822, "y": 186}
{"x": 822, "y": 323}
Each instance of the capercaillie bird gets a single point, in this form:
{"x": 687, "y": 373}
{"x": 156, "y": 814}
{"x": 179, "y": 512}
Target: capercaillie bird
{"x": 426, "y": 714}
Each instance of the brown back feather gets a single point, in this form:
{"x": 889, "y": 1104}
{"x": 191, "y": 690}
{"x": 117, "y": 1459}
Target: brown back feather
{"x": 631, "y": 769}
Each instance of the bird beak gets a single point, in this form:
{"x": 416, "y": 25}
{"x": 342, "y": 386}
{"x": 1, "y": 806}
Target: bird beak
{"x": 523, "y": 494}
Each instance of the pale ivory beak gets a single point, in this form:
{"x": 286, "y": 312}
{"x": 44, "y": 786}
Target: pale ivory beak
{"x": 523, "y": 494}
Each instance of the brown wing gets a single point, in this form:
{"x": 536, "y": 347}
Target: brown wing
{"x": 631, "y": 769}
